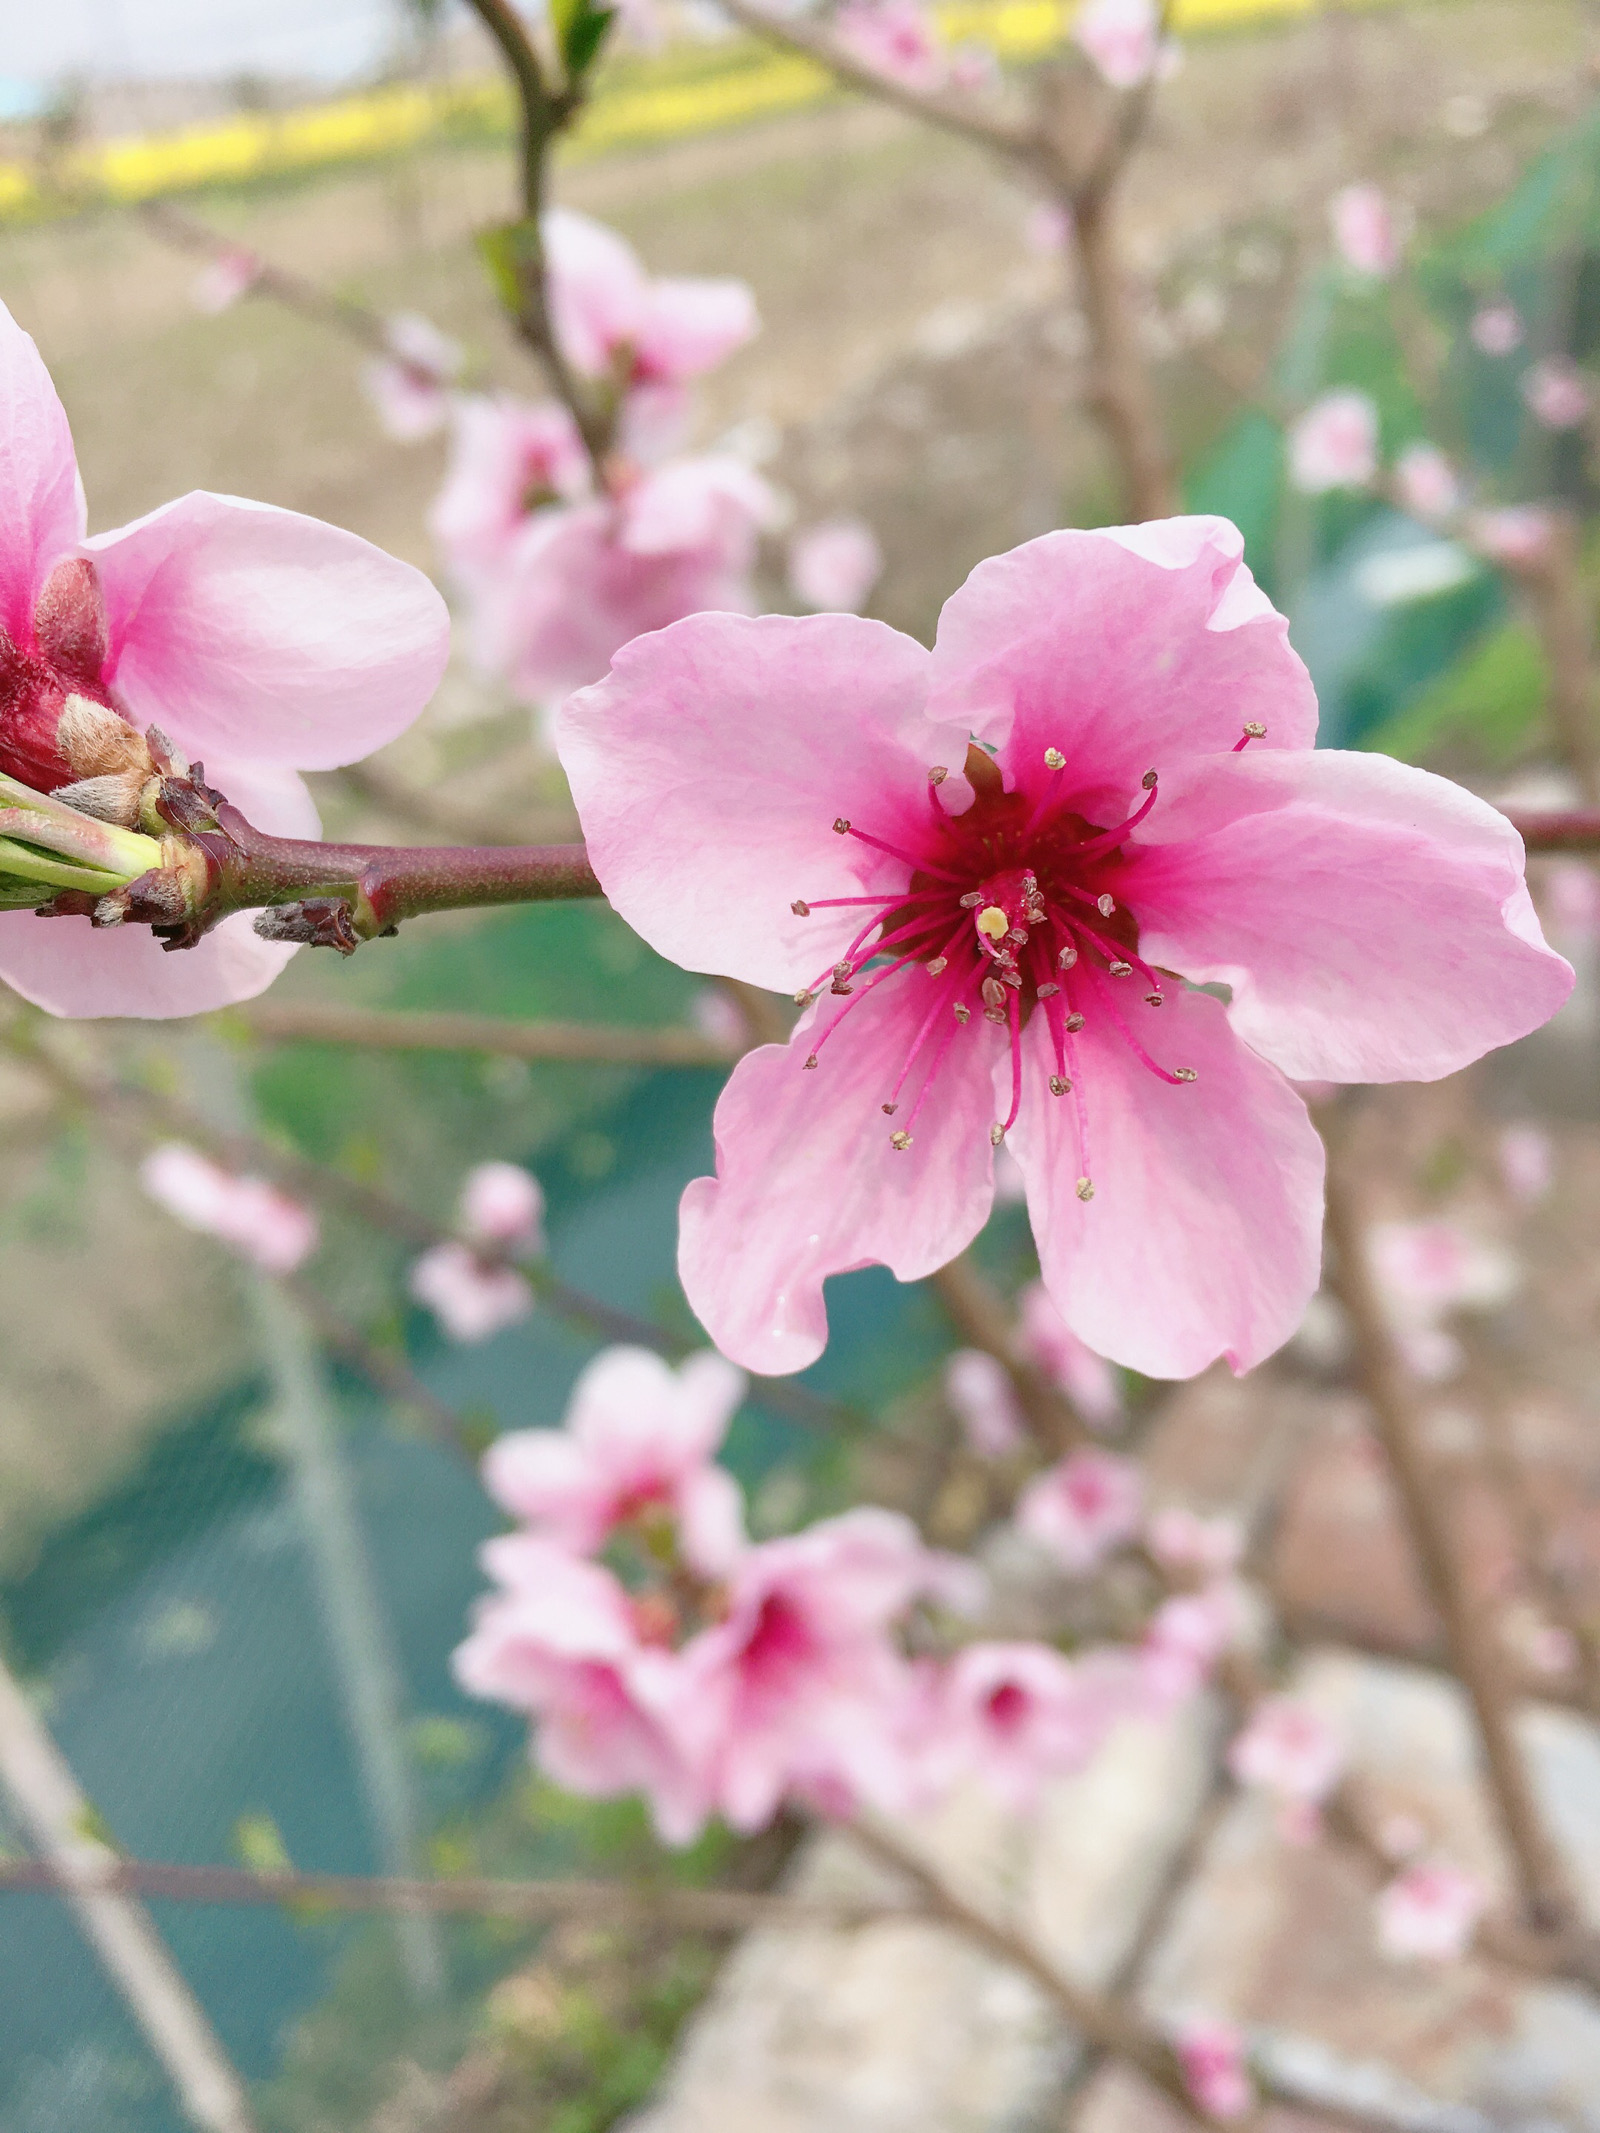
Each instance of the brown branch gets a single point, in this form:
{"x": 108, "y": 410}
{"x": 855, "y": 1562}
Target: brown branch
{"x": 374, "y": 1029}
{"x": 387, "y": 1373}
{"x": 979, "y": 1315}
{"x": 1545, "y": 1891}
{"x": 1559, "y": 603}
{"x": 187, "y": 233}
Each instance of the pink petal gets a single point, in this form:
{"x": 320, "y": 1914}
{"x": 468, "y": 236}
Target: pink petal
{"x": 1370, "y": 918}
{"x": 240, "y": 629}
{"x": 68, "y": 967}
{"x": 41, "y": 503}
{"x": 1122, "y": 648}
{"x": 1204, "y": 1234}
{"x": 689, "y": 326}
{"x": 598, "y": 290}
{"x": 709, "y": 767}
{"x": 807, "y": 1184}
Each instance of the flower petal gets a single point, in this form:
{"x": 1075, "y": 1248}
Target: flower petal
{"x": 808, "y": 1185}
{"x": 244, "y": 630}
{"x": 710, "y": 764}
{"x": 1203, "y": 1237}
{"x": 1371, "y": 919}
{"x": 1122, "y": 648}
{"x": 41, "y": 502}
{"x": 689, "y": 325}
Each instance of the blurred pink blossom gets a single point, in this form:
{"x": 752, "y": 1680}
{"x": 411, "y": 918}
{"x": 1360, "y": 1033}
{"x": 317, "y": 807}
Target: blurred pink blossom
{"x": 1496, "y": 328}
{"x": 1430, "y": 1913}
{"x": 1215, "y": 2062}
{"x": 715, "y": 1016}
{"x": 1515, "y": 536}
{"x": 982, "y": 1399}
{"x": 1014, "y": 1715}
{"x": 1425, "y": 1271}
{"x": 1183, "y": 1541}
{"x": 614, "y": 320}
{"x": 1557, "y": 393}
{"x": 1526, "y": 1157}
{"x": 409, "y": 388}
{"x": 503, "y": 1204}
{"x": 1087, "y": 1379}
{"x": 471, "y": 1297}
{"x": 1363, "y": 230}
{"x": 1183, "y": 1641}
{"x": 562, "y": 1642}
{"x": 509, "y": 459}
{"x": 258, "y": 1221}
{"x": 1334, "y": 445}
{"x": 1571, "y": 896}
{"x": 261, "y": 641}
{"x": 1289, "y": 1749}
{"x": 225, "y": 277}
{"x": 1122, "y": 38}
{"x": 896, "y": 38}
{"x": 1426, "y": 483}
{"x": 833, "y": 566}
{"x": 637, "y": 1441}
{"x": 1083, "y": 1508}
{"x": 1047, "y": 227}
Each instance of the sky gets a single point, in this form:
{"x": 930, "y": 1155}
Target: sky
{"x": 328, "y": 39}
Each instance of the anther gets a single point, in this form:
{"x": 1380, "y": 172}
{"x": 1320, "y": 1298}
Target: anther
{"x": 1054, "y": 759}
{"x": 804, "y": 999}
{"x": 938, "y": 774}
{"x": 1084, "y": 1189}
{"x": 901, "y": 1140}
{"x": 1120, "y": 970}
{"x": 840, "y": 987}
{"x": 972, "y": 899}
{"x": 842, "y": 826}
{"x": 1155, "y": 999}
{"x": 1105, "y": 905}
{"x": 844, "y": 970}
{"x": 1074, "y": 1024}
{"x": 810, "y": 1062}
{"x": 993, "y": 993}
{"x": 1148, "y": 781}
{"x": 997, "y": 1134}
{"x": 1256, "y": 731}
{"x": 890, "y": 1109}
{"x": 800, "y": 910}
{"x": 963, "y": 1014}
{"x": 938, "y": 966}
{"x": 1067, "y": 957}
{"x": 1184, "y": 1074}
{"x": 1047, "y": 992}
{"x": 1059, "y": 1085}
{"x": 995, "y": 1014}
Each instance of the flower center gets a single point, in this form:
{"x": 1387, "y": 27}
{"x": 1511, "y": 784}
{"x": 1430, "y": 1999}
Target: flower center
{"x": 1006, "y": 908}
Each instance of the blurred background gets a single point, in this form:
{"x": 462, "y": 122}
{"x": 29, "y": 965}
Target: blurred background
{"x": 196, "y": 1460}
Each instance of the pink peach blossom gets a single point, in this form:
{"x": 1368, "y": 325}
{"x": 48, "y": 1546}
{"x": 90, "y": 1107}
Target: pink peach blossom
{"x": 787, "y": 800}
{"x": 503, "y": 1204}
{"x": 562, "y": 1643}
{"x": 1086, "y": 1378}
{"x": 1425, "y": 1271}
{"x": 262, "y": 641}
{"x": 637, "y": 1441}
{"x": 1334, "y": 445}
{"x": 1047, "y": 227}
{"x": 983, "y": 1402}
{"x": 471, "y": 1297}
{"x": 1496, "y": 328}
{"x": 614, "y": 321}
{"x": 1430, "y": 1913}
{"x": 509, "y": 460}
{"x": 895, "y": 38}
{"x": 258, "y": 1221}
{"x": 1123, "y": 39}
{"x": 1184, "y": 1542}
{"x": 1517, "y": 536}
{"x": 715, "y": 1016}
{"x": 1571, "y": 896}
{"x": 1014, "y": 1715}
{"x": 1183, "y": 1641}
{"x": 1526, "y": 1156}
{"x": 1289, "y": 1749}
{"x": 409, "y": 388}
{"x": 1363, "y": 230}
{"x": 1083, "y": 1508}
{"x": 835, "y": 565}
{"x": 225, "y": 278}
{"x": 801, "y": 1682}
{"x": 1426, "y": 484}
{"x": 1215, "y": 2062}
{"x": 1557, "y": 393}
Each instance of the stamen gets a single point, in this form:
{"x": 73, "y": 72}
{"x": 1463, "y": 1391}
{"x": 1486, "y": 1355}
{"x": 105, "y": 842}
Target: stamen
{"x": 963, "y": 1014}
{"x": 934, "y": 1065}
{"x": 1084, "y": 1189}
{"x": 921, "y": 1038}
{"x": 1059, "y": 1084}
{"x": 1105, "y": 905}
{"x": 972, "y": 899}
{"x": 1016, "y": 1069}
{"x": 1253, "y": 731}
{"x": 856, "y": 999}
{"x": 1155, "y": 999}
{"x": 1120, "y": 969}
{"x": 803, "y": 999}
{"x": 889, "y": 1109}
{"x": 938, "y": 774}
{"x": 1074, "y": 1024}
{"x": 800, "y": 910}
{"x": 1067, "y": 957}
{"x": 841, "y": 826}
{"x": 1108, "y": 840}
{"x": 902, "y": 1141}
{"x": 1139, "y": 1052}
{"x": 1046, "y": 992}
{"x": 1184, "y": 1074}
{"x": 937, "y": 968}
{"x": 919, "y": 866}
{"x": 996, "y": 1135}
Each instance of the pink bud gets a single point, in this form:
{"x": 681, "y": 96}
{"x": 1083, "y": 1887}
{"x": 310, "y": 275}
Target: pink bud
{"x": 1430, "y": 1913}
{"x": 1496, "y": 328}
{"x": 501, "y": 1203}
{"x": 1557, "y": 393}
{"x": 1334, "y": 445}
{"x": 1212, "y": 2055}
{"x": 833, "y": 567}
{"x": 1363, "y": 229}
{"x": 254, "y": 1218}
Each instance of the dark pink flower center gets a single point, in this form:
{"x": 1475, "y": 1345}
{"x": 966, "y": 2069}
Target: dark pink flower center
{"x": 1008, "y": 1706}
{"x": 66, "y": 658}
{"x": 1005, "y": 908}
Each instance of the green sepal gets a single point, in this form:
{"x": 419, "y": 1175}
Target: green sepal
{"x": 581, "y": 29}
{"x": 508, "y": 249}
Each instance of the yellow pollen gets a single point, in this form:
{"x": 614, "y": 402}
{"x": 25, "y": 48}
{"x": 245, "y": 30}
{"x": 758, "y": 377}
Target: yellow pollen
{"x": 994, "y": 922}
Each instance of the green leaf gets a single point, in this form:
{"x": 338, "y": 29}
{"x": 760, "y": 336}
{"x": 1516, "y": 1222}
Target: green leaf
{"x": 258, "y": 1844}
{"x": 582, "y": 35}
{"x": 505, "y": 249}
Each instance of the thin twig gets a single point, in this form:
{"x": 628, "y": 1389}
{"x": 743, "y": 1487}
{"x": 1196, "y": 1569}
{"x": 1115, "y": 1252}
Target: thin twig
{"x": 189, "y": 234}
{"x": 1545, "y": 1889}
{"x": 391, "y": 1030}
{"x": 979, "y": 1315}
{"x": 1559, "y": 602}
